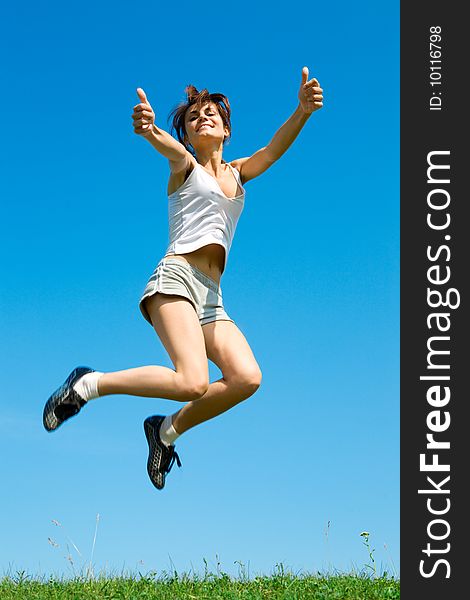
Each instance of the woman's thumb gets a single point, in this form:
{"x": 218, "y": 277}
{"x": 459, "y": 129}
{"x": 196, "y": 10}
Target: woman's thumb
{"x": 142, "y": 96}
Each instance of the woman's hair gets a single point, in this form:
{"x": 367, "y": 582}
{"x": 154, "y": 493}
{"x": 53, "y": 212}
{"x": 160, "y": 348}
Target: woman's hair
{"x": 193, "y": 97}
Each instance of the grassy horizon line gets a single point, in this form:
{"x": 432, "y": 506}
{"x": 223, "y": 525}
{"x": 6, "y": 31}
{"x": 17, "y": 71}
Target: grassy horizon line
{"x": 173, "y": 586}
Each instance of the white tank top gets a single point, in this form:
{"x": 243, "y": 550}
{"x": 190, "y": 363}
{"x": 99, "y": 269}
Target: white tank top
{"x": 200, "y": 213}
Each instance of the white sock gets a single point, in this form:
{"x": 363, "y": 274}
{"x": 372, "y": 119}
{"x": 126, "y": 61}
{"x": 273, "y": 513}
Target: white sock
{"x": 168, "y": 433}
{"x": 87, "y": 385}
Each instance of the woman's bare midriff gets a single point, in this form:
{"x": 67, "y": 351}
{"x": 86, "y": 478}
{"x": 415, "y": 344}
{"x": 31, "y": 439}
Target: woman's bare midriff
{"x": 209, "y": 259}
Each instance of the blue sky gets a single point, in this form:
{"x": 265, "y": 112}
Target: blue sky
{"x": 312, "y": 280}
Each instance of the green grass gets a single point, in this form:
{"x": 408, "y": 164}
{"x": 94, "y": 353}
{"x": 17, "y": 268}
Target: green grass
{"x": 285, "y": 586}
{"x": 367, "y": 584}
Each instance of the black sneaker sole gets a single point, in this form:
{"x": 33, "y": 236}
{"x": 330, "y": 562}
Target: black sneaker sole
{"x": 64, "y": 402}
{"x": 155, "y": 457}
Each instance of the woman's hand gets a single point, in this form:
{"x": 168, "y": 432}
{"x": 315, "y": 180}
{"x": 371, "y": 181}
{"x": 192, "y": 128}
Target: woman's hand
{"x": 310, "y": 93}
{"x": 143, "y": 115}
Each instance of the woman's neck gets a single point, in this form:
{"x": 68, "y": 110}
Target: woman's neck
{"x": 211, "y": 160}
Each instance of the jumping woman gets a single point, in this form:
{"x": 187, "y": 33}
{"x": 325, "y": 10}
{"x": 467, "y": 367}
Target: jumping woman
{"x": 183, "y": 298}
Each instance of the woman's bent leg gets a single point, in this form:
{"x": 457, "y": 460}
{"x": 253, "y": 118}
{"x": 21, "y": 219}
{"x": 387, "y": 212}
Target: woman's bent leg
{"x": 177, "y": 325}
{"x": 227, "y": 347}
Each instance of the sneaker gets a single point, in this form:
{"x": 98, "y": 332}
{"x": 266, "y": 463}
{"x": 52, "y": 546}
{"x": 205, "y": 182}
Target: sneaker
{"x": 161, "y": 457}
{"x": 64, "y": 402}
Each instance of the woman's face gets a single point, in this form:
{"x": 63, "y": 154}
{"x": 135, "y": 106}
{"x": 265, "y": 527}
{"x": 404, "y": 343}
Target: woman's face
{"x": 204, "y": 124}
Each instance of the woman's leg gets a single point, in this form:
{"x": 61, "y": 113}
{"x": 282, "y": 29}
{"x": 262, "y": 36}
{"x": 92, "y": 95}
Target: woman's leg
{"x": 227, "y": 347}
{"x": 177, "y": 325}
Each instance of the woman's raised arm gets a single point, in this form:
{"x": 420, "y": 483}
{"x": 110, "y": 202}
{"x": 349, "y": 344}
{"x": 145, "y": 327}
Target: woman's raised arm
{"x": 310, "y": 99}
{"x": 162, "y": 141}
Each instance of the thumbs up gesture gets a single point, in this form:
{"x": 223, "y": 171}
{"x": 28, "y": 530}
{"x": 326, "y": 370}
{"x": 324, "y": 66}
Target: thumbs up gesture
{"x": 310, "y": 93}
{"x": 143, "y": 115}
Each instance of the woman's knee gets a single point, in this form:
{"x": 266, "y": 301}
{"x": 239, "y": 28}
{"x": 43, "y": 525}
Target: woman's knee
{"x": 193, "y": 386}
{"x": 248, "y": 380}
